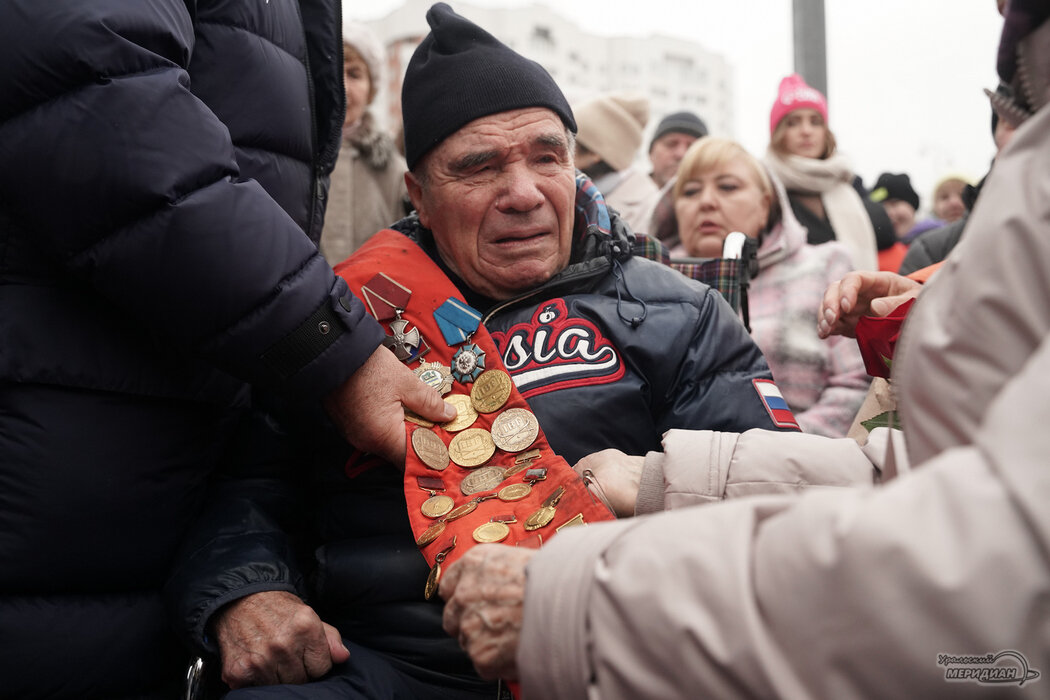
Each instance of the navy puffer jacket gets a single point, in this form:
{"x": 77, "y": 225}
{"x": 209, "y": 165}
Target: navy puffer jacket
{"x": 163, "y": 166}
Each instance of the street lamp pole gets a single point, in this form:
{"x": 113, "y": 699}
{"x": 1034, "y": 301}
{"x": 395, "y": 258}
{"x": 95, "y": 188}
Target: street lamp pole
{"x": 810, "y": 51}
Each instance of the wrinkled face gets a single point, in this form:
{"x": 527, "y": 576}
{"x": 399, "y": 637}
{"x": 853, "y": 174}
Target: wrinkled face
{"x": 667, "y": 153}
{"x": 901, "y": 215}
{"x": 805, "y": 133}
{"x": 358, "y": 86}
{"x": 716, "y": 202}
{"x": 499, "y": 197}
{"x": 947, "y": 201}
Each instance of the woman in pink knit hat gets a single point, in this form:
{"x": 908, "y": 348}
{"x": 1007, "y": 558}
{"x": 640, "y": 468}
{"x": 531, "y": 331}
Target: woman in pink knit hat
{"x": 818, "y": 179}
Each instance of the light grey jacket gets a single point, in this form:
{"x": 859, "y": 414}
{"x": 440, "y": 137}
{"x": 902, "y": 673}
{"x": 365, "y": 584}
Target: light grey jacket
{"x": 850, "y": 593}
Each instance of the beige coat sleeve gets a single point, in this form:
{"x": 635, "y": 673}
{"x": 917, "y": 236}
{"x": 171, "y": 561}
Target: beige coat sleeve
{"x": 701, "y": 466}
{"x": 836, "y": 594}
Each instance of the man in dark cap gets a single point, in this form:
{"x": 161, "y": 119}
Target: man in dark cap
{"x": 673, "y": 136}
{"x": 610, "y": 350}
{"x": 934, "y": 584}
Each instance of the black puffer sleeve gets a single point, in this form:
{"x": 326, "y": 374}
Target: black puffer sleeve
{"x": 129, "y": 183}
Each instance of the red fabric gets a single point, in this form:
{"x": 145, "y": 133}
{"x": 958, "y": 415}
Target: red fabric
{"x": 890, "y": 259}
{"x": 925, "y": 273}
{"x": 403, "y": 261}
{"x": 877, "y": 338}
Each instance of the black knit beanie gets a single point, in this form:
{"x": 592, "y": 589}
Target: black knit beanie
{"x": 679, "y": 123}
{"x": 895, "y": 186}
{"x": 459, "y": 73}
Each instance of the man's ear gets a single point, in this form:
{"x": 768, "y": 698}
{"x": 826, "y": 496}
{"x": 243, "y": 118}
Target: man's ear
{"x": 415, "y": 193}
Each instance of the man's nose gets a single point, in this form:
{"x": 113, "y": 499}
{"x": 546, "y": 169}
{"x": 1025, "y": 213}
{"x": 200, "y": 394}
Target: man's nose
{"x": 521, "y": 192}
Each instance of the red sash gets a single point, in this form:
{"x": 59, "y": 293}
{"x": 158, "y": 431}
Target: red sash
{"x": 404, "y": 262}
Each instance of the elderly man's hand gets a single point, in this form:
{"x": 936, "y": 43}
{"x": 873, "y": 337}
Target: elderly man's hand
{"x": 369, "y": 408}
{"x": 485, "y": 593}
{"x": 274, "y": 637}
{"x": 862, "y": 294}
{"x": 614, "y": 477}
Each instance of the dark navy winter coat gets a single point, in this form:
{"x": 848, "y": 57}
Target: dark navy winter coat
{"x": 163, "y": 168}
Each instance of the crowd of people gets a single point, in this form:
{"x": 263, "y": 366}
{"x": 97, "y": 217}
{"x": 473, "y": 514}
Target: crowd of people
{"x": 349, "y": 415}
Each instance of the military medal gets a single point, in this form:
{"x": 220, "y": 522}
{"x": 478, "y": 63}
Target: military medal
{"x": 468, "y": 507}
{"x": 515, "y": 429}
{"x": 490, "y": 391}
{"x": 495, "y": 530}
{"x": 418, "y": 420}
{"x": 484, "y": 479}
{"x": 431, "y": 534}
{"x": 430, "y": 449}
{"x": 465, "y": 413}
{"x": 387, "y": 299}
{"x": 438, "y": 504}
{"x": 533, "y": 541}
{"x": 435, "y": 375}
{"x": 546, "y": 512}
{"x": 407, "y": 344}
{"x": 435, "y": 573}
{"x": 468, "y": 363}
{"x": 528, "y": 457}
{"x": 471, "y": 448}
{"x": 571, "y": 522}
{"x": 537, "y": 474}
{"x": 456, "y": 320}
{"x": 514, "y": 492}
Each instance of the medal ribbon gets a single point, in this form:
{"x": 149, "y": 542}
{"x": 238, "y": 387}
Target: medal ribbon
{"x": 457, "y": 320}
{"x": 437, "y": 307}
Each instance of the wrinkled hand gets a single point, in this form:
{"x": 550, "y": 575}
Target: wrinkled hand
{"x": 485, "y": 593}
{"x": 862, "y": 294}
{"x": 274, "y": 637}
{"x": 369, "y": 408}
{"x": 616, "y": 478}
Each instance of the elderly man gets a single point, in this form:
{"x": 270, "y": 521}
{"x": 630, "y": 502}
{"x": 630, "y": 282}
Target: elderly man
{"x": 610, "y": 351}
{"x": 934, "y": 585}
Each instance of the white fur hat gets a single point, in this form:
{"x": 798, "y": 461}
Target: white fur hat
{"x": 367, "y": 44}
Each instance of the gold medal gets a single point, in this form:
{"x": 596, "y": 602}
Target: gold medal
{"x": 483, "y": 479}
{"x": 432, "y": 581}
{"x": 435, "y": 573}
{"x": 467, "y": 507}
{"x": 540, "y": 518}
{"x": 490, "y": 391}
{"x": 491, "y": 532}
{"x": 471, "y": 448}
{"x": 571, "y": 522}
{"x": 436, "y": 375}
{"x": 437, "y": 505}
{"x": 515, "y": 429}
{"x": 459, "y": 511}
{"x": 514, "y": 492}
{"x": 546, "y": 512}
{"x": 527, "y": 458}
{"x": 465, "y": 413}
{"x": 413, "y": 418}
{"x": 430, "y": 449}
{"x": 431, "y": 534}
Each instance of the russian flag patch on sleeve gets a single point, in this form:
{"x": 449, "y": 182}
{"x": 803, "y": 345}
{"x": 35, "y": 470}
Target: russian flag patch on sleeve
{"x": 775, "y": 404}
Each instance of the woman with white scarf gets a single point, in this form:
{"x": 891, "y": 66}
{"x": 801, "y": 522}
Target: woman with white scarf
{"x": 819, "y": 181}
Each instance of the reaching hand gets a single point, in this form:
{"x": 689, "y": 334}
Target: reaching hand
{"x": 615, "y": 478}
{"x": 485, "y": 595}
{"x": 369, "y": 408}
{"x": 862, "y": 294}
{"x": 274, "y": 637}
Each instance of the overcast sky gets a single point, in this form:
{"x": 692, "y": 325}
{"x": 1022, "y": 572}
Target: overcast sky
{"x": 905, "y": 77}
